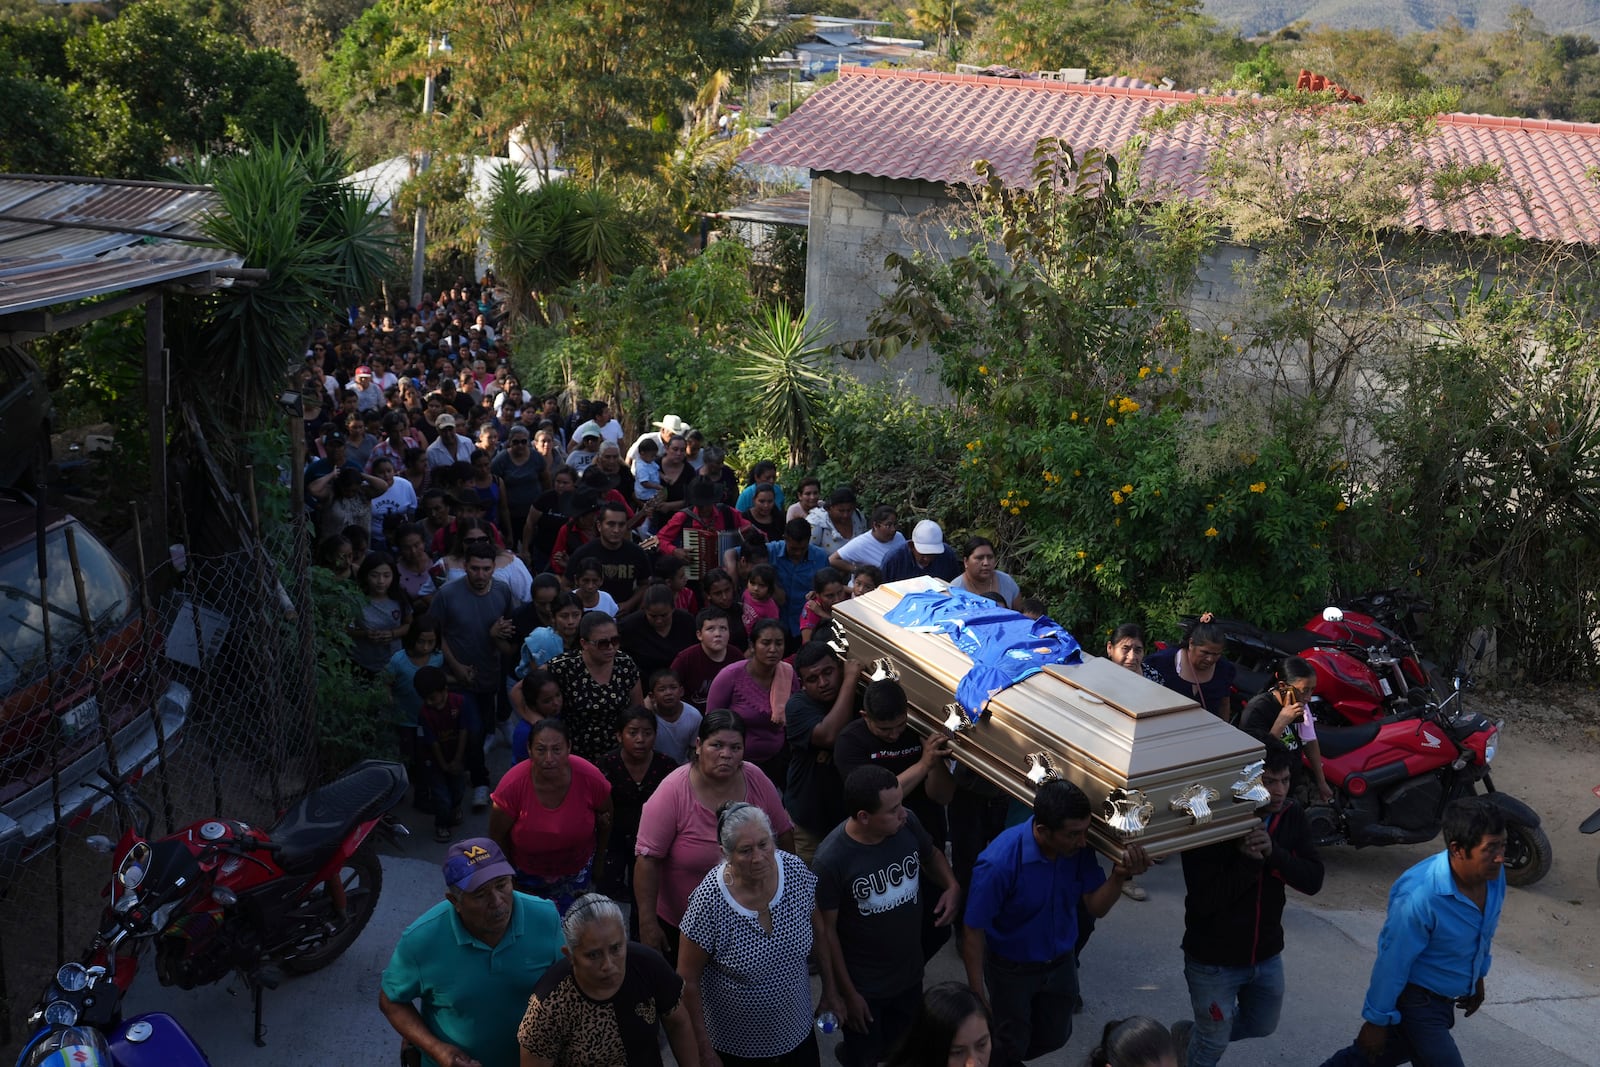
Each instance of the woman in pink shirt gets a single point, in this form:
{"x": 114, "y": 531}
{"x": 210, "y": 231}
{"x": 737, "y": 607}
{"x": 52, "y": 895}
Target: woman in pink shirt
{"x": 677, "y": 842}
{"x": 757, "y": 689}
{"x": 552, "y": 817}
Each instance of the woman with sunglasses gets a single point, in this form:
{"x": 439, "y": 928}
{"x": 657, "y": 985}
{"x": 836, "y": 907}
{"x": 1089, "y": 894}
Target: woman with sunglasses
{"x": 678, "y": 840}
{"x": 598, "y": 681}
{"x": 508, "y": 568}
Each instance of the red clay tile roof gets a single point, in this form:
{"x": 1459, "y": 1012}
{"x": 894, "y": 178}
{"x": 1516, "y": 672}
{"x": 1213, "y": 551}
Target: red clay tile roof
{"x": 932, "y": 126}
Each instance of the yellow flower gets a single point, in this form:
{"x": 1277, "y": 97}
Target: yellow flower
{"x": 1340, "y": 506}
{"x": 1155, "y": 492}
{"x": 982, "y": 369}
{"x": 1116, "y": 522}
{"x": 1099, "y": 566}
{"x": 1161, "y": 370}
{"x": 1258, "y": 487}
{"x": 1211, "y": 531}
{"x": 1209, "y": 507}
{"x": 1024, "y": 503}
{"x": 1016, "y": 511}
{"x": 969, "y": 446}
{"x": 1082, "y": 554}
{"x": 1128, "y": 489}
{"x": 1111, "y": 403}
{"x": 1077, "y": 474}
{"x": 1144, "y": 372}
{"x": 1073, "y": 417}
{"x": 1125, "y": 406}
{"x": 1116, "y": 497}
{"x": 1005, "y": 502}
{"x": 1110, "y": 421}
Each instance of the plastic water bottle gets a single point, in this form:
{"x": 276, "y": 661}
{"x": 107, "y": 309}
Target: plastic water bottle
{"x": 827, "y": 1023}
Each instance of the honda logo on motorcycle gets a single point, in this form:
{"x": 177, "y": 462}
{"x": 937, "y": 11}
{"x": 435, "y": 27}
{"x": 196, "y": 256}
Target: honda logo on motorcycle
{"x": 1430, "y": 740}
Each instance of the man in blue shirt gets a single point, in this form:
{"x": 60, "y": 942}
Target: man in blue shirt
{"x": 1022, "y": 920}
{"x": 797, "y": 561}
{"x": 924, "y": 556}
{"x": 1433, "y": 952}
{"x": 472, "y": 961}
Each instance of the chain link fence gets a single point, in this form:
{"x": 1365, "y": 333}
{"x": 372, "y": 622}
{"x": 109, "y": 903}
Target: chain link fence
{"x": 196, "y": 678}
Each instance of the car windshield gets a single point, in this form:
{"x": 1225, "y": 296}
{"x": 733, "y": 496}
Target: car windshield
{"x": 22, "y": 617}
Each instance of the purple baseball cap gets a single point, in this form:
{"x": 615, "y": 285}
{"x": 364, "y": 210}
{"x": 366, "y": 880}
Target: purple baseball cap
{"x": 472, "y": 862}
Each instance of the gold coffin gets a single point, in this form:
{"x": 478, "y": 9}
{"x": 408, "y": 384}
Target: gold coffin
{"x": 1158, "y": 768}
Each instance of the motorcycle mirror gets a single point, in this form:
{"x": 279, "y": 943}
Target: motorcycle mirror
{"x": 1332, "y": 614}
{"x": 100, "y": 843}
{"x": 224, "y": 896}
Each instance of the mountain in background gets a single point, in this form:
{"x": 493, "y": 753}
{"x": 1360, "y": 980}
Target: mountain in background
{"x": 1402, "y": 16}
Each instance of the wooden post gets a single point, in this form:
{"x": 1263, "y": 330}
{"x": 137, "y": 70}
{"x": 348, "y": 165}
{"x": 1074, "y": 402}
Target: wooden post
{"x": 155, "y": 401}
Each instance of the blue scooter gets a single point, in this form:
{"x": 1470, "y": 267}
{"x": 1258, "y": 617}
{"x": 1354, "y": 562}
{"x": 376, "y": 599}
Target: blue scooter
{"x": 78, "y": 1023}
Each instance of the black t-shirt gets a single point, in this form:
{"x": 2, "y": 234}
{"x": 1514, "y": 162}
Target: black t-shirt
{"x": 561, "y": 1020}
{"x": 1260, "y": 714}
{"x": 771, "y": 531}
{"x": 856, "y": 746}
{"x": 649, "y": 649}
{"x": 626, "y": 567}
{"x": 552, "y": 516}
{"x": 877, "y": 891}
{"x": 814, "y": 795}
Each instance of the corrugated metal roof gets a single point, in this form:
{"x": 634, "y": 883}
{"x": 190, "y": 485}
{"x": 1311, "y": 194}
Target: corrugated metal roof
{"x": 786, "y": 209}
{"x": 69, "y": 239}
{"x": 932, "y": 126}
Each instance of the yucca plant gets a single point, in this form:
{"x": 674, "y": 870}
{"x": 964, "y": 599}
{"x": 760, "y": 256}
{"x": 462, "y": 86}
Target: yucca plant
{"x": 783, "y": 368}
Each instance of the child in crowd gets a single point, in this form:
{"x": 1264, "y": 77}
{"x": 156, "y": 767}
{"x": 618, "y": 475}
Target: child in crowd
{"x": 443, "y": 728}
{"x": 536, "y": 697}
{"x": 827, "y": 589}
{"x": 722, "y": 593}
{"x": 383, "y": 618}
{"x": 759, "y": 595}
{"x": 646, "y": 471}
{"x": 866, "y": 579}
{"x": 1032, "y": 607}
{"x": 675, "y": 572}
{"x": 419, "y": 649}
{"x": 677, "y": 723}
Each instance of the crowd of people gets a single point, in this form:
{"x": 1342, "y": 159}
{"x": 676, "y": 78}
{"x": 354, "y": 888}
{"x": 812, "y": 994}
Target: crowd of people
{"x": 706, "y": 808}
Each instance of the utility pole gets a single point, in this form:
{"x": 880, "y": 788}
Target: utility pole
{"x": 419, "y": 234}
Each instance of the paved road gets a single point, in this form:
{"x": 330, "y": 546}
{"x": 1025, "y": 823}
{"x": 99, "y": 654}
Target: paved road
{"x": 1533, "y": 1016}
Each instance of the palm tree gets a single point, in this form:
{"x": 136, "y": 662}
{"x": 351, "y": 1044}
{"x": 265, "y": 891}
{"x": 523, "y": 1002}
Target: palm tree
{"x": 947, "y": 20}
{"x": 284, "y": 208}
{"x": 782, "y": 368}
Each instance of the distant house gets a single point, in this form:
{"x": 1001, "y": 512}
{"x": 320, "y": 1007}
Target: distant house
{"x": 884, "y": 146}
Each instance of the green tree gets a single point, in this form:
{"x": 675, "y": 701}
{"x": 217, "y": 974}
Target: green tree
{"x": 949, "y": 21}
{"x": 153, "y": 85}
{"x": 783, "y": 371}
{"x": 284, "y": 209}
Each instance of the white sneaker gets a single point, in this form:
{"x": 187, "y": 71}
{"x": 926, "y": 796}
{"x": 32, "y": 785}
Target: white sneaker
{"x": 480, "y": 798}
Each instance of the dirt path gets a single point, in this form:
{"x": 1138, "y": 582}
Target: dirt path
{"x": 1550, "y": 758}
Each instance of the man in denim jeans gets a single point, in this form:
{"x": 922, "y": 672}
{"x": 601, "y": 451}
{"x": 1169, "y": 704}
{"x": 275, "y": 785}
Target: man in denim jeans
{"x": 1022, "y": 920}
{"x": 1433, "y": 952}
{"x": 1233, "y": 921}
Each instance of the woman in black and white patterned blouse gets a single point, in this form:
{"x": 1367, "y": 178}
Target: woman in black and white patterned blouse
{"x": 746, "y": 934}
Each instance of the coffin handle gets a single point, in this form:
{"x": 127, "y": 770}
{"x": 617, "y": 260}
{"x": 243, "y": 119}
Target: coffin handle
{"x": 1195, "y": 802}
{"x": 1248, "y": 789}
{"x": 1127, "y": 811}
{"x": 883, "y": 669}
{"x": 1041, "y": 769}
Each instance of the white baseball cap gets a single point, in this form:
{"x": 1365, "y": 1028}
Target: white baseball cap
{"x": 927, "y": 537}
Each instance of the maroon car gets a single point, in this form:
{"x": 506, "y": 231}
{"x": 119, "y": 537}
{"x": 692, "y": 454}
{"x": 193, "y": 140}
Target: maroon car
{"x": 49, "y": 713}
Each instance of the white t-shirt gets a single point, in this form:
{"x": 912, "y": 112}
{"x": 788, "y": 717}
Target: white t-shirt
{"x": 864, "y": 550}
{"x": 675, "y": 740}
{"x": 612, "y": 431}
{"x": 400, "y": 496}
{"x": 439, "y": 456}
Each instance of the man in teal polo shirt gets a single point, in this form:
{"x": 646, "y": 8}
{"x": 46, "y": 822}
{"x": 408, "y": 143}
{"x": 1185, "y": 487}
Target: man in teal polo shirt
{"x": 472, "y": 961}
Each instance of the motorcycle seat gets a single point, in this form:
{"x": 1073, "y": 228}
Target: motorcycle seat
{"x": 307, "y": 833}
{"x": 1294, "y": 642}
{"x": 1342, "y": 740}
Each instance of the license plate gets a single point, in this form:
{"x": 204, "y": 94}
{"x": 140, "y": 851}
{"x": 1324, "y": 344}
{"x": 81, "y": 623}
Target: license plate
{"x": 80, "y": 719}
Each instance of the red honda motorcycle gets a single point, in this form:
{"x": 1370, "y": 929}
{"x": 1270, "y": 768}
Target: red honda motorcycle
{"x": 1393, "y": 777}
{"x": 1366, "y": 666}
{"x": 221, "y": 895}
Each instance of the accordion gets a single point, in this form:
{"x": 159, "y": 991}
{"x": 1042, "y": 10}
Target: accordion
{"x": 706, "y": 549}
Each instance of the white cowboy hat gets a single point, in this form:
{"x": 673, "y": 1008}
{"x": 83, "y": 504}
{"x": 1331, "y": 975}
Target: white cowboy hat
{"x": 671, "y": 424}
